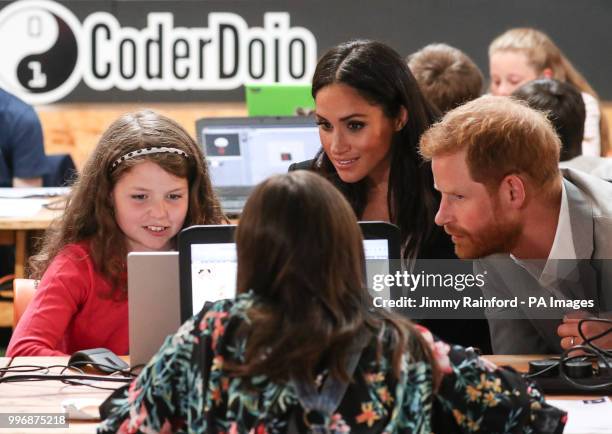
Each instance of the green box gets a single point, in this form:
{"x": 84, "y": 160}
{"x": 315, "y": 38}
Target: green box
{"x": 278, "y": 99}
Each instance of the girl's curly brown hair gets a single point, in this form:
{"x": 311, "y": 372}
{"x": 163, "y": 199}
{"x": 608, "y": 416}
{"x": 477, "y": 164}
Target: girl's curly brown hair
{"x": 89, "y": 213}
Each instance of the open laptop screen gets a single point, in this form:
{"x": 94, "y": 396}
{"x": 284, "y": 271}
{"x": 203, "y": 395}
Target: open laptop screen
{"x": 208, "y": 264}
{"x": 214, "y": 269}
{"x": 213, "y": 272}
{"x": 242, "y": 152}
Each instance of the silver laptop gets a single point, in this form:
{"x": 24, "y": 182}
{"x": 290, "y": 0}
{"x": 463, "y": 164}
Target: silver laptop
{"x": 160, "y": 301}
{"x": 242, "y": 152}
{"x": 153, "y": 302}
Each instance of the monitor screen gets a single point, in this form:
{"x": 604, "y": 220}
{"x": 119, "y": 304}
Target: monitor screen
{"x": 214, "y": 269}
{"x": 245, "y": 155}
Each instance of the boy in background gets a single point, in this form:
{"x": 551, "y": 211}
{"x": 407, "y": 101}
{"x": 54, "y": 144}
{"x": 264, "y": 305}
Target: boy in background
{"x": 564, "y": 106}
{"x": 446, "y": 75}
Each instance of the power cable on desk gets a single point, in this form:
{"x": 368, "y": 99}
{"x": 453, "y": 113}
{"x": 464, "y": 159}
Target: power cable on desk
{"x": 541, "y": 372}
{"x": 593, "y": 354}
{"x": 71, "y": 379}
{"x": 56, "y": 205}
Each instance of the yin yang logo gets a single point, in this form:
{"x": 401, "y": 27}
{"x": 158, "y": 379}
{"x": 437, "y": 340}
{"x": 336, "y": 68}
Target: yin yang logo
{"x": 39, "y": 50}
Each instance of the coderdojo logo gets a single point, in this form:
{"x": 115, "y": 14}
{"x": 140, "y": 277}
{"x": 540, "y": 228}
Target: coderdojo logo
{"x": 40, "y": 52}
{"x": 51, "y": 52}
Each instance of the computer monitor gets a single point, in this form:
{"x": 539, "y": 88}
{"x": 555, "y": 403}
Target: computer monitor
{"x": 279, "y": 99}
{"x": 208, "y": 266}
{"x": 242, "y": 152}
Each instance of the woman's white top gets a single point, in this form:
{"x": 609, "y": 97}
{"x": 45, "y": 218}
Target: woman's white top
{"x": 591, "y": 143}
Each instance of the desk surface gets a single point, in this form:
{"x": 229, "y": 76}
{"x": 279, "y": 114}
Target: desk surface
{"x": 14, "y": 230}
{"x": 47, "y": 396}
{"x": 38, "y": 221}
{"x": 520, "y": 363}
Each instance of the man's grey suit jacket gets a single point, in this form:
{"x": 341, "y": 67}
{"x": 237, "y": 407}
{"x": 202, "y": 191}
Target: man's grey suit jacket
{"x": 527, "y": 331}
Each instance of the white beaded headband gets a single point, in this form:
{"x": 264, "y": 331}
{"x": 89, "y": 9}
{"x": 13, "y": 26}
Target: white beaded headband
{"x": 145, "y": 151}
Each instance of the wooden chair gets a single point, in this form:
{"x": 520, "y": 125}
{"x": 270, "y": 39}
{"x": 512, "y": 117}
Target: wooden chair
{"x": 23, "y": 291}
{"x": 6, "y": 283}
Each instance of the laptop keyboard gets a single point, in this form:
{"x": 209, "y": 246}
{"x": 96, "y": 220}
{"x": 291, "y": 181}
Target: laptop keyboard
{"x": 233, "y": 205}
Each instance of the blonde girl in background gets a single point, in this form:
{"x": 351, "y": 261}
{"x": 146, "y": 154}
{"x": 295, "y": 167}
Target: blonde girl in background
{"x": 523, "y": 54}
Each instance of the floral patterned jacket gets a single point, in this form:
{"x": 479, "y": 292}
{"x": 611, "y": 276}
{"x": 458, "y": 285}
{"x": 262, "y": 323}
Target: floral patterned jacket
{"x": 185, "y": 389}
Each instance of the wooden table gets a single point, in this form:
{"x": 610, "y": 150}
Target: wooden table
{"x": 46, "y": 397}
{"x": 520, "y": 363}
{"x": 15, "y": 230}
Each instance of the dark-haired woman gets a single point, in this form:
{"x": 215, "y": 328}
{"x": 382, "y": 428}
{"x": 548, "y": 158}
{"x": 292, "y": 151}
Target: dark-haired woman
{"x": 371, "y": 115}
{"x": 303, "y": 321}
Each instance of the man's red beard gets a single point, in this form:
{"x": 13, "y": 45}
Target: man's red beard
{"x": 497, "y": 237}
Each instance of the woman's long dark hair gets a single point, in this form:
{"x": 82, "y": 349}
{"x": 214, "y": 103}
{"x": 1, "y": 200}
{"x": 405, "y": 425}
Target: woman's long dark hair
{"x": 300, "y": 251}
{"x": 382, "y": 77}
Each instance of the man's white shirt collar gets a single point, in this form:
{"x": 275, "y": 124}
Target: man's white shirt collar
{"x": 562, "y": 248}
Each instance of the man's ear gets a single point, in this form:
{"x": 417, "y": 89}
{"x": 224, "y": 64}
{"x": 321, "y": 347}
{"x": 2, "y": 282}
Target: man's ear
{"x": 512, "y": 191}
{"x": 402, "y": 118}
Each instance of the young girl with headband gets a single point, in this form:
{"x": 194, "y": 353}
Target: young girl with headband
{"x": 145, "y": 181}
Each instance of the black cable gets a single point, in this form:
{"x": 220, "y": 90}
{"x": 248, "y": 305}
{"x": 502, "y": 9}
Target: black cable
{"x": 55, "y": 205}
{"x": 589, "y": 341}
{"x": 126, "y": 372}
{"x": 570, "y": 380}
{"x": 594, "y": 353}
{"x": 73, "y": 365}
{"x": 539, "y": 373}
{"x": 66, "y": 379}
{"x": 30, "y": 368}
{"x": 43, "y": 377}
